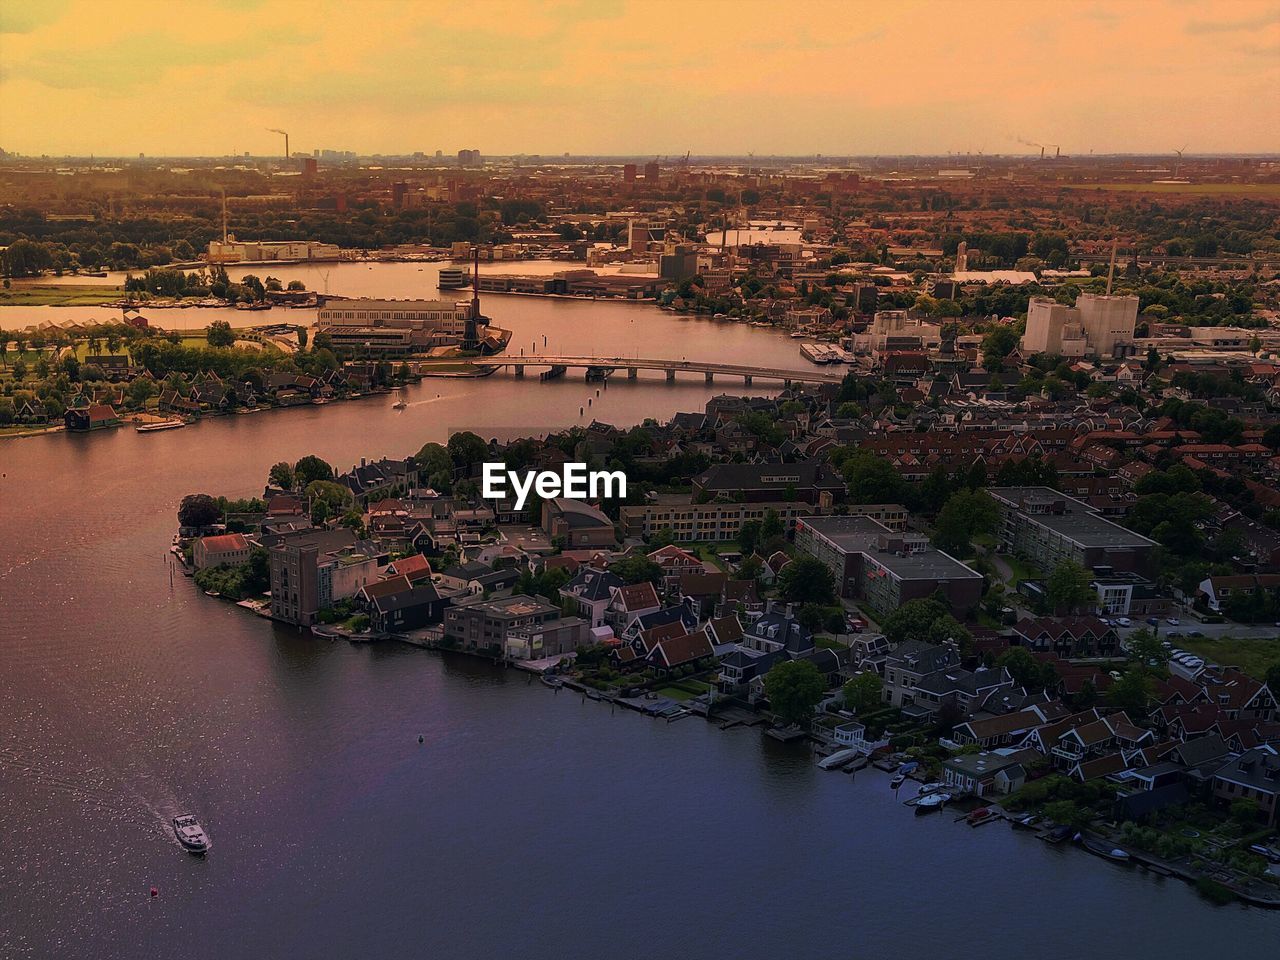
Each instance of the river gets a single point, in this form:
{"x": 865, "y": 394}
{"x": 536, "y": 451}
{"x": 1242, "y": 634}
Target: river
{"x": 527, "y": 823}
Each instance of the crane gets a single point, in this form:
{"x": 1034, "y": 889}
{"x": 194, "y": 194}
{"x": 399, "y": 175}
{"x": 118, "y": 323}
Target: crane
{"x": 286, "y": 139}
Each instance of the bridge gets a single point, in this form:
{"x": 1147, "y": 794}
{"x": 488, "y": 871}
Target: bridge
{"x": 600, "y": 367}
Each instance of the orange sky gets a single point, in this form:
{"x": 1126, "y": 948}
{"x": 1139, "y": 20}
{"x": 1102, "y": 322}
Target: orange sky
{"x": 617, "y": 77}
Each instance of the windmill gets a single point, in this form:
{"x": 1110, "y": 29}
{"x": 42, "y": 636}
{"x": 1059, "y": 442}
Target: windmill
{"x": 1177, "y": 164}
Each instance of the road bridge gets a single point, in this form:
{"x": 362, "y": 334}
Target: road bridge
{"x": 597, "y": 367}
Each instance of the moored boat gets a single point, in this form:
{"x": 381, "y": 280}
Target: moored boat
{"x": 931, "y": 803}
{"x": 170, "y": 424}
{"x": 838, "y": 759}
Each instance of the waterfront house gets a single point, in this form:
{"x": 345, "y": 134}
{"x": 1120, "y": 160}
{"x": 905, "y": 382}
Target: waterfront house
{"x": 686, "y": 650}
{"x": 986, "y": 773}
{"x": 1254, "y": 775}
{"x": 904, "y": 667}
{"x": 94, "y": 416}
{"x": 230, "y": 548}
{"x": 398, "y": 604}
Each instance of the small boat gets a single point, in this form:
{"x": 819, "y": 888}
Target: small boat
{"x": 1027, "y": 822}
{"x": 170, "y": 424}
{"x": 931, "y": 803}
{"x": 980, "y": 816}
{"x": 932, "y": 787}
{"x": 212, "y": 593}
{"x": 837, "y": 759}
{"x": 552, "y": 681}
{"x": 190, "y": 834}
{"x": 399, "y": 405}
{"x": 897, "y": 781}
{"x": 1058, "y": 834}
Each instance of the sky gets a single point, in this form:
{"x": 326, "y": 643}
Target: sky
{"x": 661, "y": 77}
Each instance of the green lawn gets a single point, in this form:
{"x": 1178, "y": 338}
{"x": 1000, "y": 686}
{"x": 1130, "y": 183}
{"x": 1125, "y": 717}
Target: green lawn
{"x": 676, "y": 693}
{"x": 1251, "y": 656}
{"x": 1021, "y": 569}
{"x": 1199, "y": 189}
{"x": 60, "y": 295}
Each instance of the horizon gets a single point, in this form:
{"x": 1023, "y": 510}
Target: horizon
{"x": 594, "y": 80}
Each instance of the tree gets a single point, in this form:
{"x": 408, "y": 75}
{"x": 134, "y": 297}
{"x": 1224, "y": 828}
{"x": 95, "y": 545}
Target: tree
{"x": 1273, "y": 678}
{"x": 302, "y": 338}
{"x": 636, "y": 568}
{"x": 794, "y": 688}
{"x": 1131, "y": 693}
{"x": 862, "y": 694}
{"x": 997, "y": 345}
{"x": 281, "y": 476}
{"x": 1145, "y": 648}
{"x": 772, "y": 526}
{"x": 220, "y": 334}
{"x": 749, "y": 537}
{"x": 1025, "y": 669}
{"x": 873, "y": 479}
{"x": 334, "y": 495}
{"x": 965, "y": 515}
{"x": 435, "y": 461}
{"x": 913, "y": 620}
{"x": 806, "y": 579}
{"x": 198, "y": 510}
{"x": 466, "y": 449}
{"x": 309, "y": 469}
{"x": 1068, "y": 589}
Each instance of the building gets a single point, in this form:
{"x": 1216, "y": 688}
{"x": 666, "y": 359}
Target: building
{"x": 229, "y": 548}
{"x": 265, "y": 251}
{"x": 651, "y": 171}
{"x": 1254, "y": 775}
{"x": 311, "y": 569}
{"x": 1048, "y": 528}
{"x": 530, "y": 626}
{"x": 468, "y": 158}
{"x": 715, "y": 522}
{"x": 392, "y": 326}
{"x": 811, "y": 481}
{"x": 641, "y": 233}
{"x": 984, "y": 774}
{"x": 885, "y": 568}
{"x": 629, "y": 173}
{"x": 679, "y": 262}
{"x": 1098, "y": 326}
{"x": 578, "y": 524}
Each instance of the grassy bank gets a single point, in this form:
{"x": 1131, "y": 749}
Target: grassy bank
{"x": 1250, "y": 655}
{"x": 60, "y": 295}
{"x": 1269, "y": 190}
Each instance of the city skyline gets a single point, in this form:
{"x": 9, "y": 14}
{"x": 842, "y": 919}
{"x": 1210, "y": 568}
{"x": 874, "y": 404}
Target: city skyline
{"x": 624, "y": 79}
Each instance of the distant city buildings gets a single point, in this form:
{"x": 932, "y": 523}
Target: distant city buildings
{"x": 468, "y": 158}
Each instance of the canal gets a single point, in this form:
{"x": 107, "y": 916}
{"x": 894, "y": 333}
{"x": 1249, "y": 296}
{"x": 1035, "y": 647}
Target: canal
{"x": 527, "y": 822}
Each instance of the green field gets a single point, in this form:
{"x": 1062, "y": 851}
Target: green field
{"x": 60, "y": 295}
{"x": 1267, "y": 190}
{"x": 1251, "y": 656}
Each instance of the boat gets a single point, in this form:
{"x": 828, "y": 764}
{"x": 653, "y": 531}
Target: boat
{"x": 1027, "y": 822}
{"x": 897, "y": 781}
{"x": 932, "y": 787}
{"x": 980, "y": 816}
{"x": 931, "y": 803}
{"x": 1105, "y": 850}
{"x": 552, "y": 681}
{"x": 171, "y": 424}
{"x": 190, "y": 834}
{"x": 1058, "y": 834}
{"x": 399, "y": 405}
{"x": 837, "y": 759}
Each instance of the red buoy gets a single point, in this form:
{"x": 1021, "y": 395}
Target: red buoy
{"x": 155, "y": 891}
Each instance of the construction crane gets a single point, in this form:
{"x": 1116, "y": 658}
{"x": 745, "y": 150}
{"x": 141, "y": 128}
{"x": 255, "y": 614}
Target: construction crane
{"x": 286, "y": 139}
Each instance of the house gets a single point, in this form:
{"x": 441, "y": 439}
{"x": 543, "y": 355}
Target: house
{"x": 985, "y": 774}
{"x": 1068, "y": 637}
{"x": 230, "y": 548}
{"x": 912, "y": 660}
{"x": 629, "y": 603}
{"x": 399, "y": 604}
{"x": 685, "y": 650}
{"x": 1254, "y": 775}
{"x": 1216, "y": 590}
{"x": 484, "y": 626}
{"x": 674, "y": 563}
{"x": 778, "y": 632}
{"x": 701, "y": 591}
{"x": 956, "y": 688}
{"x": 95, "y": 416}
{"x": 998, "y": 731}
{"x": 591, "y": 591}
{"x": 415, "y": 568}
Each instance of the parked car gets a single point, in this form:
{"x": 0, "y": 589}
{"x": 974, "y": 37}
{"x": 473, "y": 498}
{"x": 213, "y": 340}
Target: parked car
{"x": 1123, "y": 622}
{"x": 1173, "y": 622}
{"x": 1153, "y": 621}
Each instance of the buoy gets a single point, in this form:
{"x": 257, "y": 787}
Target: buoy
{"x": 419, "y": 738}
{"x": 155, "y": 891}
